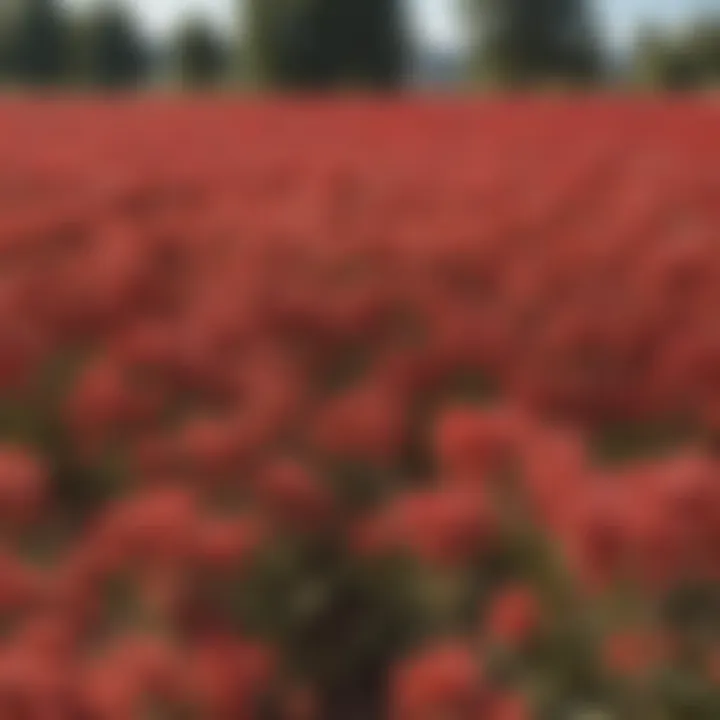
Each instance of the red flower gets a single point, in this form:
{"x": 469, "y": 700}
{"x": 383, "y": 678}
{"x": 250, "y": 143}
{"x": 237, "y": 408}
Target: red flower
{"x": 442, "y": 681}
{"x": 49, "y": 635}
{"x": 228, "y": 544}
{"x": 145, "y": 345}
{"x": 107, "y": 692}
{"x": 21, "y": 587}
{"x": 472, "y": 443}
{"x": 554, "y": 469}
{"x": 158, "y": 526}
{"x": 444, "y": 527}
{"x": 632, "y": 653}
{"x": 31, "y": 683}
{"x": 155, "y": 457}
{"x": 374, "y": 535}
{"x": 514, "y": 616}
{"x": 211, "y": 447}
{"x": 507, "y": 706}
{"x": 293, "y": 497}
{"x": 601, "y": 540}
{"x": 152, "y": 665}
{"x": 367, "y": 424}
{"x": 20, "y": 352}
{"x": 23, "y": 485}
{"x": 229, "y": 678}
{"x": 712, "y": 667}
{"x": 103, "y": 403}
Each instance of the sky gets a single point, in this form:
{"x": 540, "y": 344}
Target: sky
{"x": 437, "y": 21}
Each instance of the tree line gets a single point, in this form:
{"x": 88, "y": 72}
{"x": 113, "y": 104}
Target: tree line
{"x": 42, "y": 43}
{"x": 323, "y": 44}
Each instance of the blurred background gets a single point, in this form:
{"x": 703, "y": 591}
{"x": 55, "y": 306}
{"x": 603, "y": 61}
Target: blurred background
{"x": 380, "y": 44}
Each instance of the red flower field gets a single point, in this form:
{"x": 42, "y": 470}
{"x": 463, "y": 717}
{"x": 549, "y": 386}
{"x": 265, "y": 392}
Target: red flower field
{"x": 355, "y": 409}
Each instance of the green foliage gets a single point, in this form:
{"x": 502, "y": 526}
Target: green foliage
{"x": 625, "y": 442}
{"x": 114, "y": 53}
{"x": 313, "y": 598}
{"x": 528, "y": 41}
{"x": 200, "y": 55}
{"x": 326, "y": 43}
{"x": 261, "y": 43}
{"x": 37, "y": 43}
{"x": 683, "y": 59}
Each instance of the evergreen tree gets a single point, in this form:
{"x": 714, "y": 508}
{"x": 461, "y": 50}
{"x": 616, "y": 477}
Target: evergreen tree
{"x": 261, "y": 41}
{"x": 115, "y": 53}
{"x": 36, "y": 43}
{"x": 704, "y": 47}
{"x": 327, "y": 43}
{"x": 681, "y": 59}
{"x": 526, "y": 41}
{"x": 200, "y": 54}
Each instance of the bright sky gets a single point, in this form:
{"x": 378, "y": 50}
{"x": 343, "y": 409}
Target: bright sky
{"x": 437, "y": 20}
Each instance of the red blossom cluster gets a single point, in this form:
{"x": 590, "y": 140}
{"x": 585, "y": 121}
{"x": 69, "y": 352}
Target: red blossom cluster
{"x": 358, "y": 409}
